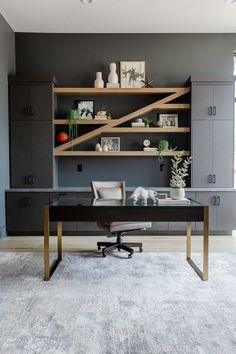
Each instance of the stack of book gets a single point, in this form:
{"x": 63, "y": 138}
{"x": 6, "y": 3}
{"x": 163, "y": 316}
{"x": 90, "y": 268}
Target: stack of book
{"x": 113, "y": 85}
{"x": 137, "y": 125}
{"x": 149, "y": 149}
{"x": 170, "y": 201}
{"x": 100, "y": 117}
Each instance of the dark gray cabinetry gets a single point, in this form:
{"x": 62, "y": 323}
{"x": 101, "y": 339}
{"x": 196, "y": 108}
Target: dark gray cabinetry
{"x": 25, "y": 212}
{"x": 222, "y": 210}
{"x": 31, "y": 133}
{"x": 212, "y": 134}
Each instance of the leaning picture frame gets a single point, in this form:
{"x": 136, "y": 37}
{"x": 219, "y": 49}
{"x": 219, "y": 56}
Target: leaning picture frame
{"x": 168, "y": 120}
{"x": 132, "y": 74}
{"x": 86, "y": 108}
{"x": 112, "y": 143}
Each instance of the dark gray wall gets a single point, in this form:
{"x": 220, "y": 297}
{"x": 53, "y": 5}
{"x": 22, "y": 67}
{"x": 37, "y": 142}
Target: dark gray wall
{"x": 74, "y": 59}
{"x": 7, "y": 65}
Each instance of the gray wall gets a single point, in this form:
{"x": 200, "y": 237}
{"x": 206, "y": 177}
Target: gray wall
{"x": 7, "y": 65}
{"x": 74, "y": 59}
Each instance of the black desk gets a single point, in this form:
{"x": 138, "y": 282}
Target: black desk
{"x": 86, "y": 209}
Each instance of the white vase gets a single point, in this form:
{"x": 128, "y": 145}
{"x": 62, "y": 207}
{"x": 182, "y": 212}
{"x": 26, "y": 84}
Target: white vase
{"x": 99, "y": 83}
{"x": 113, "y": 77}
{"x": 177, "y": 193}
{"x": 105, "y": 147}
{"x": 97, "y": 147}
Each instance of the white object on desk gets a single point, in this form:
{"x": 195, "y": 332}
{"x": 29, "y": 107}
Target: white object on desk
{"x": 143, "y": 195}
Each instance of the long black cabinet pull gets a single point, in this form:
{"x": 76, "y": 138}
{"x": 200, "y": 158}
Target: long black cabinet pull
{"x": 213, "y": 178}
{"x": 210, "y": 179}
{"x": 210, "y": 110}
{"x": 29, "y": 110}
{"x": 214, "y": 201}
{"x": 218, "y": 201}
{"x": 214, "y": 111}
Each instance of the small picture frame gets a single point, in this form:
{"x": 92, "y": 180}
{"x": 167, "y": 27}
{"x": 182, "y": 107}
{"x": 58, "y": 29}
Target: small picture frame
{"x": 132, "y": 74}
{"x": 86, "y": 109}
{"x": 168, "y": 120}
{"x": 112, "y": 143}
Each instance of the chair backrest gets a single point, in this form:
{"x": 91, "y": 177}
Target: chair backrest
{"x": 108, "y": 189}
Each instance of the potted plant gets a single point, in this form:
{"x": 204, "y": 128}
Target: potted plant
{"x": 147, "y": 121}
{"x": 179, "y": 171}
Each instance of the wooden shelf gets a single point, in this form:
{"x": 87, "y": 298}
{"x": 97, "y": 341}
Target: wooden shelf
{"x": 90, "y": 91}
{"x": 147, "y": 131}
{"x": 119, "y": 153}
{"x": 82, "y": 121}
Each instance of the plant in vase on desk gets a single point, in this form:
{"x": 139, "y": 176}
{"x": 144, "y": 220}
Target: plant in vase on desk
{"x": 179, "y": 171}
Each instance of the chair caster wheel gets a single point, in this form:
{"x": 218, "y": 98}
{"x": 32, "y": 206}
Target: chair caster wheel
{"x": 140, "y": 249}
{"x": 118, "y": 249}
{"x": 104, "y": 254}
{"x": 99, "y": 248}
{"x": 130, "y": 255}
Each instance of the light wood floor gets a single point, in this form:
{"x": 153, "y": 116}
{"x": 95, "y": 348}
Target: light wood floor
{"x": 150, "y": 243}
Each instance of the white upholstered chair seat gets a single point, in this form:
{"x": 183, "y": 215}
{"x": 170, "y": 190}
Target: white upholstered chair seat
{"x": 126, "y": 225}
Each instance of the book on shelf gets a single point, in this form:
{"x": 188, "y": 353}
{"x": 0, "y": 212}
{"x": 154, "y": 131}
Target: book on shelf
{"x": 170, "y": 201}
{"x": 113, "y": 85}
{"x": 100, "y": 117}
{"x": 137, "y": 125}
{"x": 149, "y": 149}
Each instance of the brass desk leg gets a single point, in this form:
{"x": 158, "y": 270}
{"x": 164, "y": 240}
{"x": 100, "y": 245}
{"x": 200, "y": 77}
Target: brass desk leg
{"x": 203, "y": 275}
{"x": 188, "y": 240}
{"x": 49, "y": 270}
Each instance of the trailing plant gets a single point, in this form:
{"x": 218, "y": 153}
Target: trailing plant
{"x": 72, "y": 122}
{"x": 179, "y": 171}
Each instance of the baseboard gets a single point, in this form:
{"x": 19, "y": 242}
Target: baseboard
{"x": 3, "y": 232}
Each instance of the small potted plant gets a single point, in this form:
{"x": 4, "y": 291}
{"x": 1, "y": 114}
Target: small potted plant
{"x": 147, "y": 122}
{"x": 179, "y": 171}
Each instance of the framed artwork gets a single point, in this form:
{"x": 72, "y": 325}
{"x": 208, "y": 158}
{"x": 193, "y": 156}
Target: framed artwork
{"x": 132, "y": 73}
{"x": 113, "y": 143}
{"x": 86, "y": 109}
{"x": 168, "y": 120}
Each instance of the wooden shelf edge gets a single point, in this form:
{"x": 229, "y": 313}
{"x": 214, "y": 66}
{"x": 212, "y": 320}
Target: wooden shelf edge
{"x": 120, "y": 153}
{"x": 118, "y": 91}
{"x": 82, "y": 121}
{"x": 130, "y": 130}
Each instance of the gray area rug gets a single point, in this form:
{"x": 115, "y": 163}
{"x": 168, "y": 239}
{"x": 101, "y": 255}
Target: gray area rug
{"x": 151, "y": 304}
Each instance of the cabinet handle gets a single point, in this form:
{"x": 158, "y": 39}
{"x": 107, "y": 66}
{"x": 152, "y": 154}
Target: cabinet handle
{"x": 210, "y": 179}
{"x": 27, "y": 202}
{"x": 214, "y": 179}
{"x": 210, "y": 110}
{"x": 218, "y": 201}
{"x": 213, "y": 200}
{"x": 214, "y": 111}
{"x": 30, "y": 179}
{"x": 29, "y": 110}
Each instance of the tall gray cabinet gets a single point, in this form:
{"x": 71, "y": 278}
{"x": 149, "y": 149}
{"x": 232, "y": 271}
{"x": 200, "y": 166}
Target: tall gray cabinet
{"x": 212, "y": 138}
{"x": 31, "y": 131}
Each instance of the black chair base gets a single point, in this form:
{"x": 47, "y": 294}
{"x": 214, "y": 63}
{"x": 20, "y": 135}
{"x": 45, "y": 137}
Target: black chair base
{"x": 126, "y": 246}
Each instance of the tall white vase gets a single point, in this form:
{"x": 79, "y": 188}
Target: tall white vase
{"x": 99, "y": 83}
{"x": 113, "y": 77}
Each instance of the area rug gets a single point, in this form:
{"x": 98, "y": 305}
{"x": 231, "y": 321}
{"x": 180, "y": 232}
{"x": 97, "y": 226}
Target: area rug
{"x": 150, "y": 304}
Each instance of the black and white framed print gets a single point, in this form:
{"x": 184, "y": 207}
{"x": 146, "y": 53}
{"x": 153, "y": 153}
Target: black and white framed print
{"x": 168, "y": 120}
{"x": 132, "y": 73}
{"x": 86, "y": 109}
{"x": 111, "y": 143}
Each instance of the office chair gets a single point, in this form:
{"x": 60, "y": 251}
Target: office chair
{"x": 116, "y": 190}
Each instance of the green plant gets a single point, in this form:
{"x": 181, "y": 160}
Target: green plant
{"x": 179, "y": 171}
{"x": 147, "y": 121}
{"x": 73, "y": 116}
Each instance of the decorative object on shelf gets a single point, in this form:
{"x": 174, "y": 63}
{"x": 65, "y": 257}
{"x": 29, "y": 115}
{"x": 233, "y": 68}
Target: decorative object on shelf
{"x": 62, "y": 138}
{"x": 113, "y": 143}
{"x": 168, "y": 120}
{"x": 143, "y": 195}
{"x": 132, "y": 73}
{"x": 99, "y": 83}
{"x": 73, "y": 115}
{"x": 138, "y": 123}
{"x": 147, "y": 83}
{"x": 179, "y": 171}
{"x": 113, "y": 77}
{"x": 97, "y": 147}
{"x": 86, "y": 109}
{"x": 147, "y": 122}
{"x": 146, "y": 143}
{"x": 101, "y": 115}
{"x": 147, "y": 146}
{"x": 105, "y": 148}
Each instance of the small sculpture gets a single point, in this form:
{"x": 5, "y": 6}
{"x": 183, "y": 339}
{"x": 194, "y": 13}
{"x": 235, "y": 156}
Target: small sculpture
{"x": 113, "y": 77}
{"x": 143, "y": 195}
{"x": 99, "y": 83}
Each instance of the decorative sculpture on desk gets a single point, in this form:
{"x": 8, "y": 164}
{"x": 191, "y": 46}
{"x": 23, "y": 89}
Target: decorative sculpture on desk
{"x": 143, "y": 195}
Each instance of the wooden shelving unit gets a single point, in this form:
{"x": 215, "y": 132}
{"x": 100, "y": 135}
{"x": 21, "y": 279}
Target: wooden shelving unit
{"x": 114, "y": 126}
{"x": 119, "y": 153}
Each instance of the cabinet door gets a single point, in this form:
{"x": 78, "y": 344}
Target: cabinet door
{"x": 17, "y": 206}
{"x": 223, "y": 101}
{"x": 41, "y": 101}
{"x": 226, "y": 211}
{"x": 35, "y": 211}
{"x": 181, "y": 226}
{"x": 202, "y": 101}
{"x": 21, "y": 154}
{"x": 207, "y": 198}
{"x": 20, "y": 102}
{"x": 201, "y": 153}
{"x": 223, "y": 153}
{"x": 42, "y": 154}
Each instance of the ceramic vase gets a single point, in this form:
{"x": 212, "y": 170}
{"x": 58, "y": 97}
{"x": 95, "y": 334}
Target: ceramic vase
{"x": 177, "y": 193}
{"x": 113, "y": 77}
{"x": 99, "y": 83}
{"x": 105, "y": 147}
